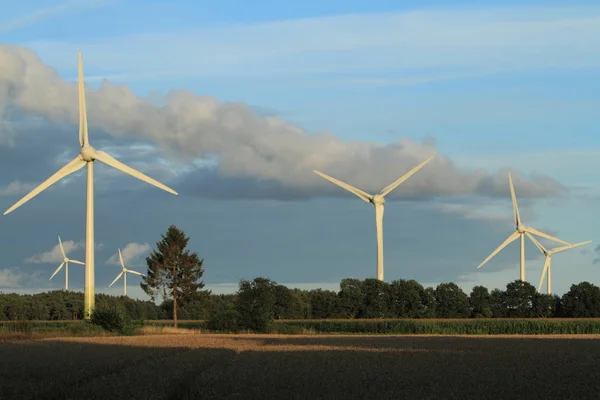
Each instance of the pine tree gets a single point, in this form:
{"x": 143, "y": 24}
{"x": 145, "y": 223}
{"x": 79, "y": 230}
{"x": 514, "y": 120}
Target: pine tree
{"x": 173, "y": 271}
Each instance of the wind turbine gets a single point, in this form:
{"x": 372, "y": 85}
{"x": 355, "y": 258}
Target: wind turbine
{"x": 123, "y": 273}
{"x": 520, "y": 232}
{"x": 65, "y": 262}
{"x": 548, "y": 263}
{"x": 86, "y": 157}
{"x": 378, "y": 201}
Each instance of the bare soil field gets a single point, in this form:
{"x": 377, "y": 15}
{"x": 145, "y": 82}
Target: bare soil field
{"x": 202, "y": 366}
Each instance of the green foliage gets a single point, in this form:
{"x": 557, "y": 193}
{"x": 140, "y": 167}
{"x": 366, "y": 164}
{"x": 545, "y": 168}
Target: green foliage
{"x": 32, "y": 329}
{"x": 255, "y": 304}
{"x": 113, "y": 320}
{"x": 174, "y": 272}
{"x": 451, "y": 301}
{"x": 225, "y": 320}
{"x": 324, "y": 304}
{"x": 582, "y": 301}
{"x": 375, "y": 299}
{"x": 479, "y": 301}
{"x": 519, "y": 299}
{"x": 444, "y": 327}
{"x": 351, "y": 297}
{"x": 60, "y": 305}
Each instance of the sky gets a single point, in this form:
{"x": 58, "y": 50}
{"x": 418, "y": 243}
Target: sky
{"x": 234, "y": 105}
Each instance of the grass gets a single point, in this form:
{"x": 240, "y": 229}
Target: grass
{"x": 11, "y": 330}
{"x": 532, "y": 326}
{"x": 514, "y": 326}
{"x": 309, "y": 367}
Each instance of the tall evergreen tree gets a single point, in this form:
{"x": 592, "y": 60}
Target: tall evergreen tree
{"x": 173, "y": 271}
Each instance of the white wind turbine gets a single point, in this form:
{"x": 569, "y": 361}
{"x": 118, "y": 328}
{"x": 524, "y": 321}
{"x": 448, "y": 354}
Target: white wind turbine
{"x": 378, "y": 201}
{"x": 520, "y": 232}
{"x": 124, "y": 272}
{"x": 65, "y": 263}
{"x": 86, "y": 157}
{"x": 548, "y": 262}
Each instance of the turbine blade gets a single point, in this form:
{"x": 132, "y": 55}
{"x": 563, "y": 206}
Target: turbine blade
{"x": 116, "y": 279}
{"x": 410, "y": 173}
{"x": 76, "y": 262}
{"x": 83, "y": 127}
{"x": 57, "y": 269}
{"x": 556, "y": 250}
{"x": 111, "y": 161}
{"x": 363, "y": 195}
{"x": 129, "y": 271}
{"x": 62, "y": 249}
{"x": 545, "y": 235}
{"x": 546, "y": 265}
{"x": 514, "y": 200}
{"x": 121, "y": 260}
{"x": 75, "y": 165}
{"x": 541, "y": 248}
{"x": 509, "y": 240}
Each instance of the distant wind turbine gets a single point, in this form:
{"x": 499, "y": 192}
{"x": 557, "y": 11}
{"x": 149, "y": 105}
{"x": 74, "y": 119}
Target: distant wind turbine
{"x": 65, "y": 263}
{"x": 378, "y": 201}
{"x": 520, "y": 231}
{"x": 548, "y": 262}
{"x": 124, "y": 272}
{"x": 87, "y": 155}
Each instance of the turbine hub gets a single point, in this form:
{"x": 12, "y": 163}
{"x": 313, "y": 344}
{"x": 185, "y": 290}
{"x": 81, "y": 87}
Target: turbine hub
{"x": 65, "y": 259}
{"x": 88, "y": 153}
{"x": 378, "y": 200}
{"x": 520, "y": 229}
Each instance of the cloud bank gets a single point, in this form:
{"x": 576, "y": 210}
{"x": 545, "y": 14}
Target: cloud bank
{"x": 228, "y": 148}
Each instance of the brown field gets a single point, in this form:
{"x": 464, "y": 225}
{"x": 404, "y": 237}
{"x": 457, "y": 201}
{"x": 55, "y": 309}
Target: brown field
{"x": 202, "y": 366}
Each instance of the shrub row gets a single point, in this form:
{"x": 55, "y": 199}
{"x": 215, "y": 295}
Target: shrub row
{"x": 441, "y": 327}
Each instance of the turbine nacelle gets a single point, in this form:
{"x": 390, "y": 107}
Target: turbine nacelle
{"x": 377, "y": 200}
{"x": 87, "y": 153}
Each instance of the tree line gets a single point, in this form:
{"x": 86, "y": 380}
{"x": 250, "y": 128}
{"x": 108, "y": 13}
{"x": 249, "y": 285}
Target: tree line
{"x": 369, "y": 298}
{"x": 175, "y": 274}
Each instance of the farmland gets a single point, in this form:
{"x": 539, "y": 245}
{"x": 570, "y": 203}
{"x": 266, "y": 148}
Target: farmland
{"x": 195, "y": 366}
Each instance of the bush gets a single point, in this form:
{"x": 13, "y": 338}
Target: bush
{"x": 114, "y": 320}
{"x": 226, "y": 320}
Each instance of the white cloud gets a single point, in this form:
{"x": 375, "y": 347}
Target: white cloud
{"x": 15, "y": 188}
{"x": 130, "y": 252}
{"x": 441, "y": 43}
{"x": 11, "y": 279}
{"x": 247, "y": 145}
{"x": 55, "y": 255}
{"x": 54, "y": 11}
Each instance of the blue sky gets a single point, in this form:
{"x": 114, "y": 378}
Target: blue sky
{"x": 265, "y": 93}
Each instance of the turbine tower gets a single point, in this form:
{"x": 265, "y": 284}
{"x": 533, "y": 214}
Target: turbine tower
{"x": 548, "y": 262}
{"x": 65, "y": 263}
{"x": 86, "y": 157}
{"x": 123, "y": 273}
{"x": 378, "y": 201}
{"x": 520, "y": 232}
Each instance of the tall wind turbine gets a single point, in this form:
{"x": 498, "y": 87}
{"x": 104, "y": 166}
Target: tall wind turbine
{"x": 65, "y": 263}
{"x": 378, "y": 201}
{"x": 548, "y": 263}
{"x": 86, "y": 157}
{"x": 124, "y": 272}
{"x": 520, "y": 232}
